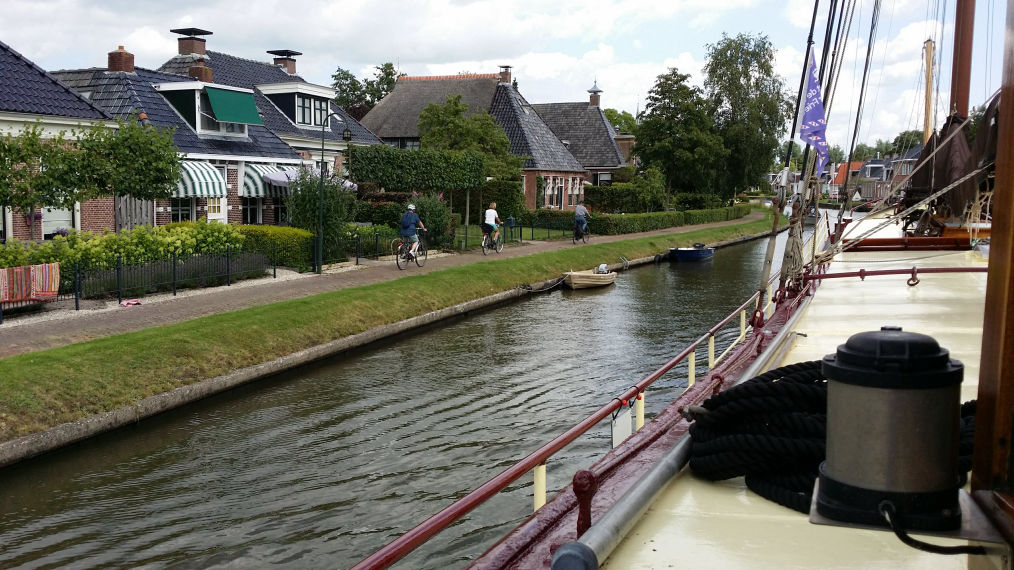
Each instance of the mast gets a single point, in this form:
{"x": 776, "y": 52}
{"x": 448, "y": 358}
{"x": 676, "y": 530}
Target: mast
{"x": 927, "y": 128}
{"x": 961, "y": 70}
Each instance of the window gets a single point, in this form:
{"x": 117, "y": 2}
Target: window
{"x": 281, "y": 212}
{"x": 181, "y": 209}
{"x": 251, "y": 210}
{"x": 320, "y": 112}
{"x": 303, "y": 116}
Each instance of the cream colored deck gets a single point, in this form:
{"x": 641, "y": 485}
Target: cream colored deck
{"x": 724, "y": 525}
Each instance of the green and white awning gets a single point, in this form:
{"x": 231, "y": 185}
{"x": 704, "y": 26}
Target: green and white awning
{"x": 200, "y": 180}
{"x": 263, "y": 181}
{"x": 233, "y": 106}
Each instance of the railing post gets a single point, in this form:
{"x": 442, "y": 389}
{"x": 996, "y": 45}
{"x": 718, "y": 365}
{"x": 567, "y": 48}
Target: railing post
{"x": 77, "y": 291}
{"x": 359, "y": 247}
{"x": 376, "y": 244}
{"x": 742, "y": 323}
{"x": 711, "y": 351}
{"x": 539, "y": 485}
{"x": 585, "y": 484}
{"x": 639, "y": 412}
{"x": 228, "y": 265}
{"x": 119, "y": 278}
{"x": 692, "y": 369}
{"x": 174, "y": 272}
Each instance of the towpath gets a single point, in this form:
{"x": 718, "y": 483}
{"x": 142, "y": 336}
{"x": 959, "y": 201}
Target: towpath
{"x": 59, "y": 324}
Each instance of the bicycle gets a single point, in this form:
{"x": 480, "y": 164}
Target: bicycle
{"x": 489, "y": 244}
{"x": 402, "y": 257}
{"x": 579, "y": 235}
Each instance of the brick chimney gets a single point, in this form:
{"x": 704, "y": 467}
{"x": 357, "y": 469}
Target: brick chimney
{"x": 593, "y": 98}
{"x": 121, "y": 60}
{"x": 284, "y": 59}
{"x": 505, "y": 74}
{"x": 200, "y": 72}
{"x": 190, "y": 43}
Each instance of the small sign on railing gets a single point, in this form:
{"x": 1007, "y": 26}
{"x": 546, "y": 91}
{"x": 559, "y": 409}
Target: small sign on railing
{"x": 622, "y": 425}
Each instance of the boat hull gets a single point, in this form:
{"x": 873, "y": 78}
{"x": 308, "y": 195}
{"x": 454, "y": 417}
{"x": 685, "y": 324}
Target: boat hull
{"x": 691, "y": 253}
{"x": 588, "y": 279}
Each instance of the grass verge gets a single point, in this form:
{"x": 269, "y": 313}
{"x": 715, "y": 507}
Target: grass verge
{"x": 43, "y": 389}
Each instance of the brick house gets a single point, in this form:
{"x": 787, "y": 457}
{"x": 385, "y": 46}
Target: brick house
{"x": 28, "y": 96}
{"x": 395, "y": 120}
{"x": 218, "y": 129}
{"x": 587, "y": 134}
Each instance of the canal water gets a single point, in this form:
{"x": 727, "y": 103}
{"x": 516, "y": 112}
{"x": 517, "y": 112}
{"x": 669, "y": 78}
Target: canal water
{"x": 320, "y": 467}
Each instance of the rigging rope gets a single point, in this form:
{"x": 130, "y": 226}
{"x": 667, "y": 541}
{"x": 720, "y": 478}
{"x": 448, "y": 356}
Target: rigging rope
{"x": 771, "y": 429}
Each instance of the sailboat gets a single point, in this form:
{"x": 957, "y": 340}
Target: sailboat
{"x": 893, "y": 325}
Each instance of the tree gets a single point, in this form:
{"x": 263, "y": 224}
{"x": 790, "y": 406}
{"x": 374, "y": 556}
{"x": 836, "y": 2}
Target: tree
{"x": 863, "y": 152}
{"x": 37, "y": 172}
{"x": 356, "y": 96}
{"x": 836, "y": 154}
{"x": 747, "y": 97}
{"x": 906, "y": 141}
{"x": 350, "y": 91}
{"x": 622, "y": 121}
{"x": 134, "y": 159}
{"x": 795, "y": 160}
{"x": 676, "y": 135}
{"x": 446, "y": 127}
{"x": 883, "y": 149}
{"x": 381, "y": 84}
{"x": 304, "y": 204}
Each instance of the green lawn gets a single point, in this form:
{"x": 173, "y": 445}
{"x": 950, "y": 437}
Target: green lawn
{"x": 43, "y": 389}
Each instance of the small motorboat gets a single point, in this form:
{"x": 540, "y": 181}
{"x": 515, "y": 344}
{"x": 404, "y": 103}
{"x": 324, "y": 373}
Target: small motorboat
{"x": 599, "y": 277}
{"x": 696, "y": 253}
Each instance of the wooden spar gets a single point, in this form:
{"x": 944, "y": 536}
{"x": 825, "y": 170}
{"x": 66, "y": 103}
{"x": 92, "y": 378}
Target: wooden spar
{"x": 927, "y": 128}
{"x": 961, "y": 69}
{"x": 992, "y": 473}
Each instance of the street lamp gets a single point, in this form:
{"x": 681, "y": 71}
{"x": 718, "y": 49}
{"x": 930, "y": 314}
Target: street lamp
{"x": 347, "y": 137}
{"x": 320, "y": 199}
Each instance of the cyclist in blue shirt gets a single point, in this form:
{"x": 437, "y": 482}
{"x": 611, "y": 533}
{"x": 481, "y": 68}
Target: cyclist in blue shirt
{"x": 409, "y": 220}
{"x": 581, "y": 216}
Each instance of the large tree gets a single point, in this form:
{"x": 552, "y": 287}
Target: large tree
{"x": 906, "y": 141}
{"x": 749, "y": 105}
{"x": 622, "y": 121}
{"x": 357, "y": 96}
{"x": 450, "y": 127}
{"x": 676, "y": 134}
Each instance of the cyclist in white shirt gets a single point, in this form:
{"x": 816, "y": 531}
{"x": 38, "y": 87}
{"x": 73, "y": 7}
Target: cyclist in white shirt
{"x": 490, "y": 221}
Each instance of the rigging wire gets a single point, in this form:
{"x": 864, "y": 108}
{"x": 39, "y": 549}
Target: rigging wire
{"x": 866, "y": 69}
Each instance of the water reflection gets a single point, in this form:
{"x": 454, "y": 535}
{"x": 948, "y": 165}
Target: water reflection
{"x": 318, "y": 468}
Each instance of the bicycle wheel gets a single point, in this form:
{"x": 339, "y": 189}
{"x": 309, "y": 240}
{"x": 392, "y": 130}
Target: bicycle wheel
{"x": 401, "y": 258}
{"x": 485, "y": 243}
{"x": 420, "y": 254}
{"x": 584, "y": 236}
{"x": 499, "y": 243}
{"x": 575, "y": 236}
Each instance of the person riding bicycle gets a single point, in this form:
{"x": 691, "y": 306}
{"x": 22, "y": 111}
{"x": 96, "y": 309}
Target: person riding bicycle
{"x": 490, "y": 221}
{"x": 581, "y": 217}
{"x": 409, "y": 221}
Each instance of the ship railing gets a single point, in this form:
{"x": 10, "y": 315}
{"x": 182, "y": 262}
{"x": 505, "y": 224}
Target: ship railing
{"x": 535, "y": 462}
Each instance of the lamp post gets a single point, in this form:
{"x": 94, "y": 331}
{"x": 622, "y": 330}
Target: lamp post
{"x": 347, "y": 137}
{"x": 320, "y": 198}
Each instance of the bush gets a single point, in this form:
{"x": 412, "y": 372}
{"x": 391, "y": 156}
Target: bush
{"x": 289, "y": 247}
{"x": 385, "y": 213}
{"x": 436, "y": 216}
{"x": 695, "y": 201}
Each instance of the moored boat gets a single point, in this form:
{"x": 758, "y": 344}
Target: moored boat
{"x": 588, "y": 278}
{"x": 696, "y": 253}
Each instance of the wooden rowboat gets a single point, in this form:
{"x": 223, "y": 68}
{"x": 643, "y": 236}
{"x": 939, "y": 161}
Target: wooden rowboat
{"x": 588, "y": 278}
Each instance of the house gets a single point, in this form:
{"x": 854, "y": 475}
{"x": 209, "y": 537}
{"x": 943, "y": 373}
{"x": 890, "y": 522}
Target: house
{"x": 395, "y": 120}
{"x": 218, "y": 129}
{"x": 28, "y": 96}
{"x": 587, "y": 134}
{"x": 903, "y": 165}
{"x": 846, "y": 173}
{"x": 301, "y": 114}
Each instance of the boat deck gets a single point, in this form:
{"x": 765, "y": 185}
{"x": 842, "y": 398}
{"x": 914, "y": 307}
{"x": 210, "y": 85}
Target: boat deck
{"x": 724, "y": 525}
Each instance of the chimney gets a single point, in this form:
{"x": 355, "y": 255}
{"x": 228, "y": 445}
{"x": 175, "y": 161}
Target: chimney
{"x": 200, "y": 72}
{"x": 190, "y": 43}
{"x": 505, "y": 74}
{"x": 593, "y": 98}
{"x": 121, "y": 60}
{"x": 284, "y": 58}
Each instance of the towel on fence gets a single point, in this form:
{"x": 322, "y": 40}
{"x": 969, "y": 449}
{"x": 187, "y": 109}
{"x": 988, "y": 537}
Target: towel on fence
{"x": 15, "y": 284}
{"x": 45, "y": 281}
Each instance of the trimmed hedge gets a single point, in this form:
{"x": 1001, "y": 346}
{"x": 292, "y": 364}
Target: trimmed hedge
{"x": 407, "y": 170}
{"x": 292, "y": 246}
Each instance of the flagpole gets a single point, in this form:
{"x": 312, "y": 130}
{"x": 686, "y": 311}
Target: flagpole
{"x": 757, "y": 319}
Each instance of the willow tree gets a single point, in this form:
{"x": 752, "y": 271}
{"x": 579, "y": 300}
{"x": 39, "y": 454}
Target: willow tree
{"x": 749, "y": 105}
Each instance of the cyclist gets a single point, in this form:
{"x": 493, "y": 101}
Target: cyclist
{"x": 409, "y": 220}
{"x": 581, "y": 217}
{"x": 490, "y": 221}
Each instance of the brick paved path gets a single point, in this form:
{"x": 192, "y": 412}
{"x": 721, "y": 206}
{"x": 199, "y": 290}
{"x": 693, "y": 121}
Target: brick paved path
{"x": 60, "y": 324}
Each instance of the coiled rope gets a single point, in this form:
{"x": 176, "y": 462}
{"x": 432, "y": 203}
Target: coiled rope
{"x": 771, "y": 429}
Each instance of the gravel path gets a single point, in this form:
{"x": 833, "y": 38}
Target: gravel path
{"x": 59, "y": 324}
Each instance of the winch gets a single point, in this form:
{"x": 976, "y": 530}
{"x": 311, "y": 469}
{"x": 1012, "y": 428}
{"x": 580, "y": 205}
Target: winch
{"x": 893, "y": 416}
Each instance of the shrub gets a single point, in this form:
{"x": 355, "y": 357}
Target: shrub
{"x": 436, "y": 217}
{"x": 289, "y": 247}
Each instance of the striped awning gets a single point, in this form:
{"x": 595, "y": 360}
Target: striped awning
{"x": 200, "y": 180}
{"x": 254, "y": 185}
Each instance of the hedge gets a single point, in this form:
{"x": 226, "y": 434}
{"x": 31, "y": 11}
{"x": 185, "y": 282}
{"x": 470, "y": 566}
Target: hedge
{"x": 615, "y": 224}
{"x": 406, "y": 170}
{"x": 290, "y": 247}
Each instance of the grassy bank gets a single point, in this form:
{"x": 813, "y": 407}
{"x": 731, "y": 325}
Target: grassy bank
{"x": 43, "y": 389}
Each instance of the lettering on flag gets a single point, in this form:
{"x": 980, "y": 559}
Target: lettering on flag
{"x": 814, "y": 123}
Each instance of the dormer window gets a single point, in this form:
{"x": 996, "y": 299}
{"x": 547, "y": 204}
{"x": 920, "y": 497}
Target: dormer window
{"x": 305, "y": 104}
{"x": 216, "y": 110}
{"x": 311, "y": 111}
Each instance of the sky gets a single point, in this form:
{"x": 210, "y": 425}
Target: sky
{"x": 558, "y": 49}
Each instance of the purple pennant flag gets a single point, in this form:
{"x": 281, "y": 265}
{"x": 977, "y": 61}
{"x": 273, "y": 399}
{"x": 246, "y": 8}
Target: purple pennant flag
{"x": 811, "y": 131}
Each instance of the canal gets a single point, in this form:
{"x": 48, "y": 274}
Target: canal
{"x": 319, "y": 467}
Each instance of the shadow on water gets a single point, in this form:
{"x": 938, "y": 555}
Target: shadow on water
{"x": 319, "y": 467}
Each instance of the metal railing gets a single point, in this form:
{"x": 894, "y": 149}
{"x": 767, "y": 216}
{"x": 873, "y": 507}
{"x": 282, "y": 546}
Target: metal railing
{"x": 536, "y": 461}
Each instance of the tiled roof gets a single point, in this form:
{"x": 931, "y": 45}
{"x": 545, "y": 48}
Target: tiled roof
{"x": 26, "y": 88}
{"x": 239, "y": 72}
{"x": 397, "y": 114}
{"x": 121, "y": 93}
{"x": 529, "y": 134}
{"x": 585, "y": 127}
{"x": 843, "y": 171}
